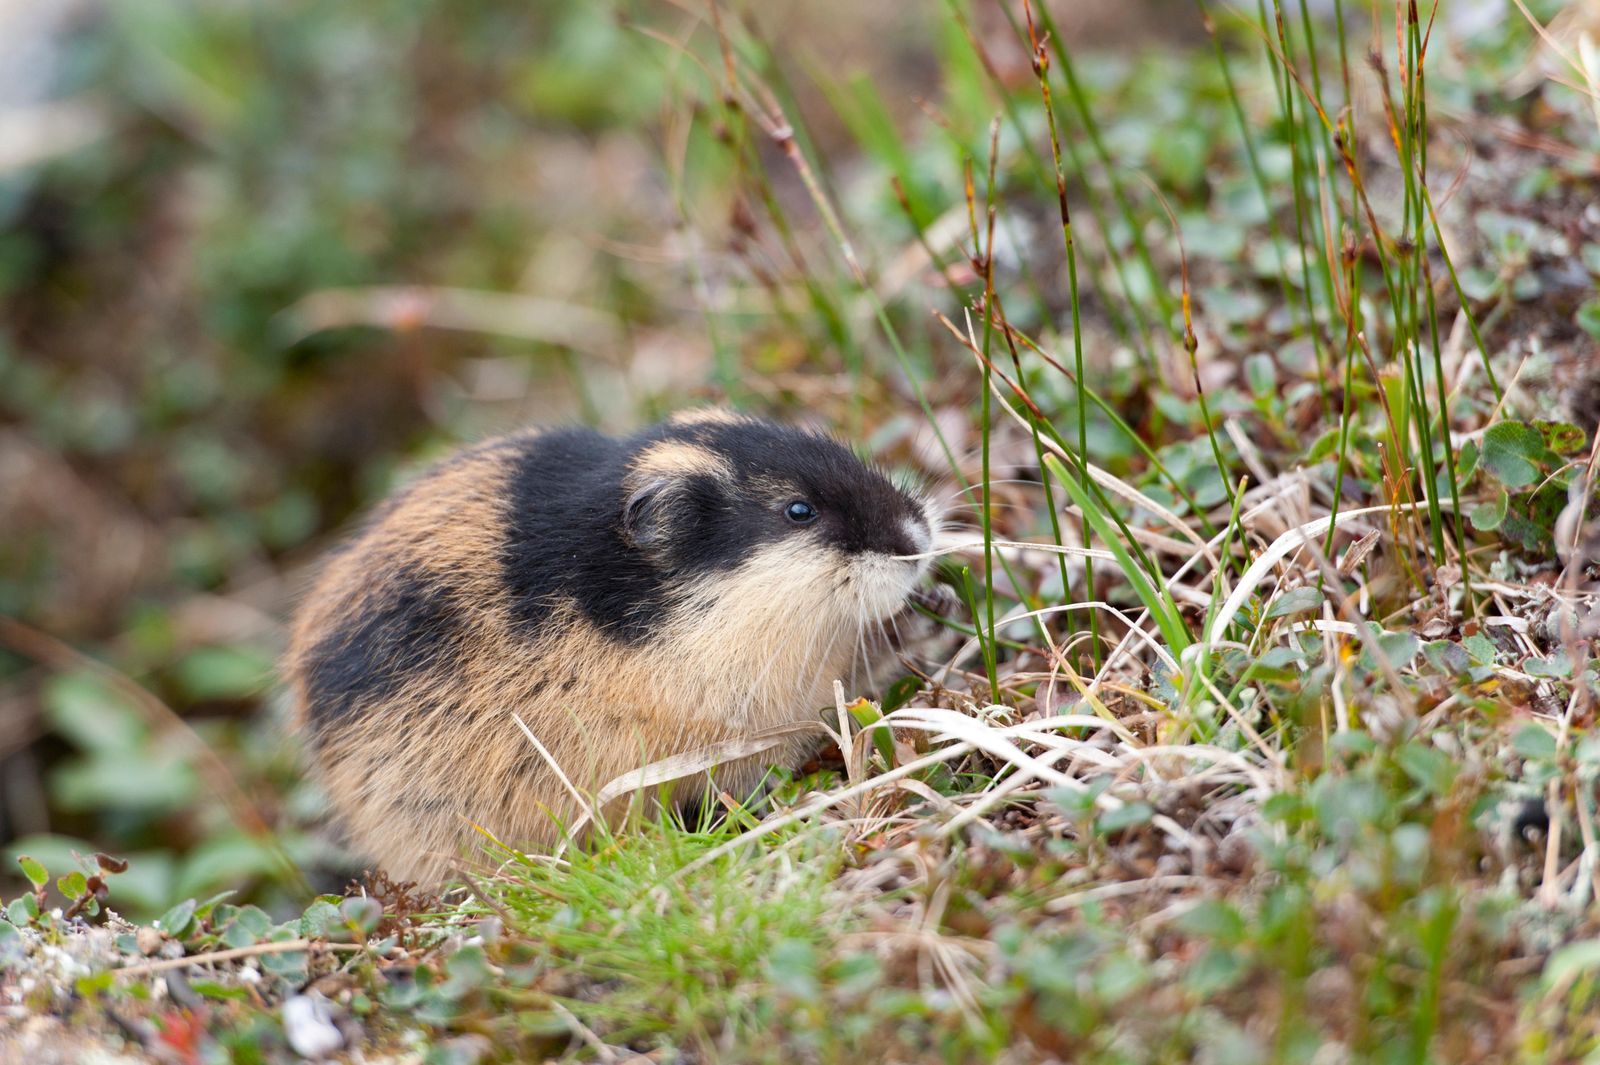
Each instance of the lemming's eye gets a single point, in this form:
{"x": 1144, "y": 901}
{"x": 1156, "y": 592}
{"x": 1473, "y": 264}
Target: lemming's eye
{"x": 800, "y": 512}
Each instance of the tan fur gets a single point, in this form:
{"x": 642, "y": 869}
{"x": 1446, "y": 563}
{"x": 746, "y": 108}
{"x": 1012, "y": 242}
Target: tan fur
{"x": 411, "y": 776}
{"x": 708, "y": 416}
{"x": 675, "y": 458}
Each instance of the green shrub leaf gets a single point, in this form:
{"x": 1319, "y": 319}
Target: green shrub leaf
{"x": 1489, "y": 514}
{"x": 1447, "y": 657}
{"x": 1428, "y": 766}
{"x": 1571, "y": 961}
{"x": 1296, "y": 601}
{"x": 1588, "y": 318}
{"x": 1128, "y": 816}
{"x": 361, "y": 914}
{"x": 176, "y": 921}
{"x": 1560, "y": 437}
{"x": 23, "y": 911}
{"x": 33, "y": 870}
{"x": 1215, "y": 920}
{"x": 1512, "y": 453}
{"x": 1534, "y": 741}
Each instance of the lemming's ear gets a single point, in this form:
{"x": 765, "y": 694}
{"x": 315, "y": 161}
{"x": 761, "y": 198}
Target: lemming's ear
{"x": 645, "y": 513}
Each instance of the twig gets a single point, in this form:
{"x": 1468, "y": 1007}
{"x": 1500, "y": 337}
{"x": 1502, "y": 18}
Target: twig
{"x": 284, "y": 946}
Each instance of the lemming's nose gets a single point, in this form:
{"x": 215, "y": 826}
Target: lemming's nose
{"x": 914, "y": 537}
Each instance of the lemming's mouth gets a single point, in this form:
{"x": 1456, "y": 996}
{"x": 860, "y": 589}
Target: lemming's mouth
{"x": 883, "y": 582}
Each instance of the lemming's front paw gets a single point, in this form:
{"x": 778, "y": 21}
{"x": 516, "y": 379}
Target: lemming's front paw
{"x": 913, "y": 632}
{"x": 936, "y": 599}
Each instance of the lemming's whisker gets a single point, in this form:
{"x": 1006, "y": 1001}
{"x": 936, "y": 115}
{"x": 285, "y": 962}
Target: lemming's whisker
{"x": 978, "y": 504}
{"x": 1020, "y": 545}
{"x": 961, "y": 491}
{"x": 899, "y": 636}
{"x": 861, "y": 643}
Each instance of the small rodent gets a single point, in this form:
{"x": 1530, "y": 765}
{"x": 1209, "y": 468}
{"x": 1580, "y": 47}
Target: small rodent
{"x": 629, "y": 598}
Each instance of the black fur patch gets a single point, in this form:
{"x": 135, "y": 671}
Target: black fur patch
{"x": 564, "y": 538}
{"x": 408, "y": 628}
{"x": 572, "y": 535}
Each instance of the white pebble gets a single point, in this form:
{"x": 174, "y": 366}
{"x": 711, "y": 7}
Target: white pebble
{"x": 308, "y": 1025}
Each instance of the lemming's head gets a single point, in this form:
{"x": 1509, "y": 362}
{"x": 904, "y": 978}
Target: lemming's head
{"x": 782, "y": 511}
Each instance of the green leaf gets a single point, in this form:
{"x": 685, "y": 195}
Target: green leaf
{"x": 1570, "y": 962}
{"x": 900, "y": 693}
{"x": 1128, "y": 815}
{"x": 1261, "y": 375}
{"x": 23, "y": 911}
{"x": 1560, "y": 437}
{"x": 792, "y": 965}
{"x": 176, "y": 921}
{"x": 866, "y": 714}
{"x": 1323, "y": 445}
{"x": 1345, "y": 805}
{"x": 1513, "y": 453}
{"x": 1071, "y": 801}
{"x": 1428, "y": 766}
{"x": 1534, "y": 742}
{"x": 1296, "y": 601}
{"x": 1480, "y": 648}
{"x": 74, "y": 885}
{"x": 1285, "y": 808}
{"x": 1280, "y": 665}
{"x": 124, "y": 781}
{"x": 212, "y": 989}
{"x": 1532, "y": 535}
{"x": 1447, "y": 657}
{"x": 211, "y": 905}
{"x": 467, "y": 970}
{"x": 92, "y": 714}
{"x": 361, "y": 914}
{"x": 1214, "y": 920}
{"x": 212, "y": 673}
{"x": 1288, "y": 658}
{"x": 224, "y": 860}
{"x": 1213, "y": 972}
{"x": 248, "y": 927}
{"x": 1120, "y": 976}
{"x": 289, "y": 964}
{"x": 93, "y": 984}
{"x": 1398, "y": 648}
{"x": 1353, "y": 742}
{"x": 320, "y": 920}
{"x": 1487, "y": 515}
{"x": 1588, "y": 317}
{"x": 34, "y": 871}
{"x": 1555, "y": 667}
